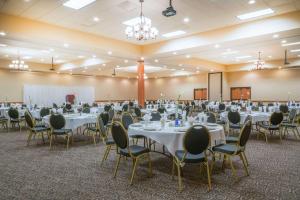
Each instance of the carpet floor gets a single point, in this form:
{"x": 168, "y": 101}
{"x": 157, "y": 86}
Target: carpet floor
{"x": 35, "y": 172}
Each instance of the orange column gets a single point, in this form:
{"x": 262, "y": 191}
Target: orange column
{"x": 141, "y": 84}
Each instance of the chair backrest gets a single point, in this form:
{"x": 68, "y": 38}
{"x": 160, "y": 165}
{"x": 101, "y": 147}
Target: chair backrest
{"x": 44, "y": 112}
{"x": 107, "y": 108}
{"x": 222, "y": 107}
{"x": 54, "y": 105}
{"x": 68, "y": 106}
{"x": 119, "y": 135}
{"x": 57, "y": 121}
{"x": 161, "y": 109}
{"x": 111, "y": 114}
{"x": 105, "y": 118}
{"x": 248, "y": 118}
{"x": 276, "y": 118}
{"x": 245, "y": 133}
{"x": 86, "y": 109}
{"x": 155, "y": 116}
{"x": 284, "y": 108}
{"x": 13, "y": 113}
{"x": 211, "y": 118}
{"x": 125, "y": 108}
{"x": 203, "y": 106}
{"x": 292, "y": 115}
{"x": 137, "y": 112}
{"x": 29, "y": 120}
{"x": 101, "y": 126}
{"x": 234, "y": 117}
{"x": 196, "y": 139}
{"x": 126, "y": 120}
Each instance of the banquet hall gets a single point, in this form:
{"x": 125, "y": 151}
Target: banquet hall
{"x": 141, "y": 99}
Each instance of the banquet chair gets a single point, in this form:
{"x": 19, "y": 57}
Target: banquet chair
{"x": 234, "y": 120}
{"x": 107, "y": 107}
{"x": 290, "y": 124}
{"x": 126, "y": 120}
{"x": 161, "y": 110}
{"x": 43, "y": 112}
{"x": 14, "y": 118}
{"x": 238, "y": 149}
{"x": 4, "y": 122}
{"x": 272, "y": 126}
{"x": 222, "y": 107}
{"x": 211, "y": 117}
{"x": 235, "y": 139}
{"x": 155, "y": 116}
{"x": 138, "y": 113}
{"x": 105, "y": 118}
{"x": 284, "y": 109}
{"x": 195, "y": 145}
{"x": 111, "y": 114}
{"x": 34, "y": 129}
{"x": 86, "y": 110}
{"x": 134, "y": 152}
{"x": 57, "y": 123}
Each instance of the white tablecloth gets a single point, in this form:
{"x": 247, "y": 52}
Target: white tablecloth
{"x": 171, "y": 137}
{"x": 256, "y": 116}
{"x": 73, "y": 121}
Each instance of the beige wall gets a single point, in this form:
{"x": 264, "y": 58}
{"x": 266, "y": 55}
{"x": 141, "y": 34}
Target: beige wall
{"x": 268, "y": 85}
{"x": 172, "y": 87}
{"x": 106, "y": 88}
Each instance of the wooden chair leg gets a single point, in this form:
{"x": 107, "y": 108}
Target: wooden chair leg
{"x": 117, "y": 165}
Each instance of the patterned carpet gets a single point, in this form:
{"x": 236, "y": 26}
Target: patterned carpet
{"x": 34, "y": 172}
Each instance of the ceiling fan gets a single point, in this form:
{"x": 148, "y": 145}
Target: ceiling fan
{"x": 170, "y": 11}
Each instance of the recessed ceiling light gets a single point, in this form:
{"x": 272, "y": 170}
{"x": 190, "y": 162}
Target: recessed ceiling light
{"x": 26, "y": 57}
{"x": 142, "y": 58}
{"x": 80, "y": 56}
{"x": 3, "y": 45}
{"x": 156, "y": 60}
{"x": 66, "y": 45}
{"x": 174, "y": 33}
{"x": 83, "y": 71}
{"x": 283, "y": 41}
{"x": 94, "y": 56}
{"x": 182, "y": 69}
{"x": 275, "y": 36}
{"x": 242, "y": 57}
{"x": 298, "y": 55}
{"x": 255, "y": 14}
{"x": 2, "y": 33}
{"x": 217, "y": 46}
{"x": 125, "y": 61}
{"x": 212, "y": 70}
{"x": 77, "y": 4}
{"x": 186, "y": 20}
{"x": 109, "y": 52}
{"x": 251, "y": 2}
{"x": 118, "y": 66}
{"x": 229, "y": 52}
{"x": 295, "y": 50}
{"x": 188, "y": 56}
{"x": 279, "y": 67}
{"x": 103, "y": 64}
{"x": 291, "y": 44}
{"x": 136, "y": 20}
{"x": 269, "y": 56}
{"x": 197, "y": 71}
{"x": 180, "y": 65}
{"x": 42, "y": 60}
{"x": 95, "y": 19}
{"x": 174, "y": 53}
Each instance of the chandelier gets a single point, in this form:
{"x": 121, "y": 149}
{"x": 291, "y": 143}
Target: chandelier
{"x": 259, "y": 63}
{"x": 18, "y": 64}
{"x": 143, "y": 29}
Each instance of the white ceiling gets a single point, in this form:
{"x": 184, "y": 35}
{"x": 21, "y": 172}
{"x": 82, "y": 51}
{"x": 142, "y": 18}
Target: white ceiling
{"x": 203, "y": 14}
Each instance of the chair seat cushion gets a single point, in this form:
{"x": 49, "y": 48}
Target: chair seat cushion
{"x": 135, "y": 150}
{"x": 95, "y": 129}
{"x": 268, "y": 127}
{"x": 40, "y": 129}
{"x": 109, "y": 141}
{"x": 231, "y": 139}
{"x": 137, "y": 136}
{"x": 221, "y": 122}
{"x": 15, "y": 120}
{"x": 61, "y": 131}
{"x": 190, "y": 158}
{"x": 235, "y": 126}
{"x": 289, "y": 125}
{"x": 226, "y": 148}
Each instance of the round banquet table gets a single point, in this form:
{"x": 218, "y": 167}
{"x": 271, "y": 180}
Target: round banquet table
{"x": 73, "y": 121}
{"x": 256, "y": 116}
{"x": 170, "y": 136}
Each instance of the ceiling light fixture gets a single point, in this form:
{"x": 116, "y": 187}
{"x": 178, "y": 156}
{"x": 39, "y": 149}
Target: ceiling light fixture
{"x": 78, "y": 4}
{"x": 186, "y": 20}
{"x": 217, "y": 46}
{"x": 18, "y": 64}
{"x": 66, "y": 45}
{"x": 275, "y": 36}
{"x": 142, "y": 30}
{"x": 2, "y": 33}
{"x": 259, "y": 63}
{"x": 283, "y": 41}
{"x": 125, "y": 61}
{"x": 188, "y": 56}
{"x": 3, "y": 45}
{"x": 156, "y": 60}
{"x": 255, "y": 14}
{"x": 251, "y": 2}
{"x": 109, "y": 52}
{"x": 290, "y": 44}
{"x": 96, "y": 19}
{"x": 295, "y": 50}
{"x": 174, "y": 33}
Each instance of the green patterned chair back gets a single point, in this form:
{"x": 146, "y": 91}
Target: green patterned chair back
{"x": 57, "y": 121}
{"x": 13, "y": 113}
